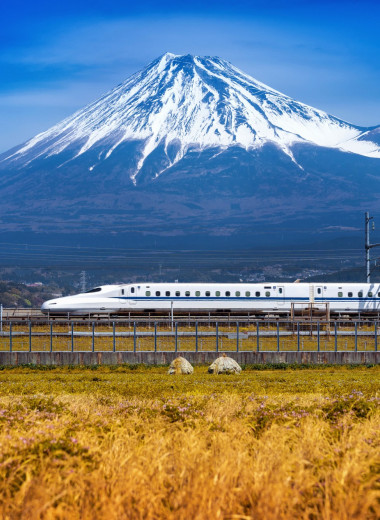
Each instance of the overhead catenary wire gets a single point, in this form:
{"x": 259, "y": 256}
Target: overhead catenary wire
{"x": 65, "y": 257}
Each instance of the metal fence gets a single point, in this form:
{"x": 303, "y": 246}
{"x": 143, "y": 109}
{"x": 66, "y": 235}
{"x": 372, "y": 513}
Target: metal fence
{"x": 256, "y": 336}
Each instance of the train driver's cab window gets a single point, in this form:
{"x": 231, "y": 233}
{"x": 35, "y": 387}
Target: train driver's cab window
{"x": 267, "y": 294}
{"x": 237, "y": 293}
{"x": 257, "y": 294}
{"x": 187, "y": 293}
{"x": 132, "y": 290}
{"x": 97, "y": 289}
{"x": 217, "y": 293}
{"x": 158, "y": 293}
{"x": 208, "y": 293}
{"x": 197, "y": 293}
{"x": 360, "y": 294}
{"x": 247, "y": 294}
{"x": 147, "y": 293}
{"x": 177, "y": 293}
{"x": 228, "y": 293}
{"x": 370, "y": 294}
{"x": 350, "y": 295}
{"x": 340, "y": 294}
{"x": 167, "y": 293}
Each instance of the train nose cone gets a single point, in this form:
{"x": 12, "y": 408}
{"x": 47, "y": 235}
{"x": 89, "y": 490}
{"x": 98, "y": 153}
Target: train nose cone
{"x": 47, "y": 306}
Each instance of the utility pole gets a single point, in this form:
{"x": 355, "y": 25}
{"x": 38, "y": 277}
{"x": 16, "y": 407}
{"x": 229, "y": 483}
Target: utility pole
{"x": 83, "y": 281}
{"x": 368, "y": 246}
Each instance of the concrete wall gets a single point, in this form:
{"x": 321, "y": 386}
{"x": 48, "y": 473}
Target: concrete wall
{"x": 163, "y": 358}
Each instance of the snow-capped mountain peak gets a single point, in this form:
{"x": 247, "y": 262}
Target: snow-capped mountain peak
{"x": 183, "y": 102}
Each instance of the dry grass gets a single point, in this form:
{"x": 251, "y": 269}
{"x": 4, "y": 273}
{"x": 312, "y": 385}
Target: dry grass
{"x": 138, "y": 444}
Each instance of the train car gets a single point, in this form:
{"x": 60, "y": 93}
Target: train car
{"x": 234, "y": 297}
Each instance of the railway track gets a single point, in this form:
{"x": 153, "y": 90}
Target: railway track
{"x": 35, "y": 316}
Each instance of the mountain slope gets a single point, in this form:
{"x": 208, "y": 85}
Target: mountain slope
{"x": 181, "y": 102}
{"x": 191, "y": 146}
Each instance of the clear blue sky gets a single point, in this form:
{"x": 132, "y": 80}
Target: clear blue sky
{"x": 55, "y": 57}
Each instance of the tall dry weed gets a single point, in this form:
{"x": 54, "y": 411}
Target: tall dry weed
{"x": 204, "y": 448}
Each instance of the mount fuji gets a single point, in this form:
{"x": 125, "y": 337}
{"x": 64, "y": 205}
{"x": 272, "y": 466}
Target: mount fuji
{"x": 190, "y": 145}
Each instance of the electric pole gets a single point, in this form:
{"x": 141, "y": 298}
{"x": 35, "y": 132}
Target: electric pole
{"x": 83, "y": 281}
{"x": 368, "y": 246}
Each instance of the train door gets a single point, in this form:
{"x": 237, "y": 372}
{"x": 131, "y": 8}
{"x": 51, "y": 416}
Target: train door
{"x": 280, "y": 295}
{"x": 318, "y": 293}
{"x": 131, "y": 293}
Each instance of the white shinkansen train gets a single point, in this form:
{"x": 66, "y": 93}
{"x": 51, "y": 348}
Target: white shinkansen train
{"x": 245, "y": 297}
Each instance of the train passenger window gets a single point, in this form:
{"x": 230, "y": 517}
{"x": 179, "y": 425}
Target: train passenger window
{"x": 187, "y": 293}
{"x": 370, "y": 294}
{"x": 280, "y": 290}
{"x": 208, "y": 293}
{"x": 267, "y": 293}
{"x": 257, "y": 293}
{"x": 147, "y": 293}
{"x": 237, "y": 293}
{"x": 132, "y": 290}
{"x": 158, "y": 293}
{"x": 360, "y": 294}
{"x": 228, "y": 293}
{"x": 177, "y": 293}
{"x": 122, "y": 291}
{"x": 167, "y": 293}
{"x": 350, "y": 295}
{"x": 247, "y": 293}
{"x": 319, "y": 290}
{"x": 197, "y": 293}
{"x": 217, "y": 293}
{"x": 340, "y": 294}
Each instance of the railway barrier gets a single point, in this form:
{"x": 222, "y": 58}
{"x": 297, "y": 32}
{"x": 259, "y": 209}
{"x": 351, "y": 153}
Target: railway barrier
{"x": 200, "y": 336}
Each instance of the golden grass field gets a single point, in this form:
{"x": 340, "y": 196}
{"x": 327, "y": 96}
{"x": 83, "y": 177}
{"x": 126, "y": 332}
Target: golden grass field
{"x": 135, "y": 443}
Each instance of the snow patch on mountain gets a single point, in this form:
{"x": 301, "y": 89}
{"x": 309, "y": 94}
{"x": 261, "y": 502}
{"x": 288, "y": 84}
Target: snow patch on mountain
{"x": 193, "y": 101}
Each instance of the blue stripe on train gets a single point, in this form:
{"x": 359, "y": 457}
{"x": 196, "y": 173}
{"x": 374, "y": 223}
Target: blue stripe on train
{"x": 239, "y": 298}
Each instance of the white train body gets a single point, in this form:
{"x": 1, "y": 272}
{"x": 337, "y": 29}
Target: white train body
{"x": 234, "y": 297}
